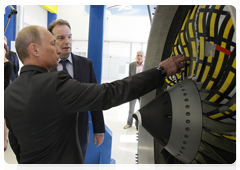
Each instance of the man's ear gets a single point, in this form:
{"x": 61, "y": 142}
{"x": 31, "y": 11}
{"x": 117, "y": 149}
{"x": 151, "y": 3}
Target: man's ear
{"x": 33, "y": 49}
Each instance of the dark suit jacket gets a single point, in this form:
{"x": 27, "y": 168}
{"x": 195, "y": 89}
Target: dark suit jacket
{"x": 132, "y": 68}
{"x": 12, "y": 57}
{"x": 7, "y": 73}
{"x": 83, "y": 71}
{"x": 40, "y": 110}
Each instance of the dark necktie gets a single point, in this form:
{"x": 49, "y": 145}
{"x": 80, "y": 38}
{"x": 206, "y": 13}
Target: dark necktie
{"x": 64, "y": 63}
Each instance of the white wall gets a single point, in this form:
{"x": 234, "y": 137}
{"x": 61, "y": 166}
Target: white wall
{"x": 35, "y": 15}
{"x": 126, "y": 28}
{"x": 124, "y": 35}
{"x": 78, "y": 19}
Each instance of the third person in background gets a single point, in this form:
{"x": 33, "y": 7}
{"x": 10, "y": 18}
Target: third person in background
{"x": 134, "y": 68}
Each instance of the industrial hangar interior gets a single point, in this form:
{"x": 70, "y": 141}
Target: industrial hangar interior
{"x": 191, "y": 119}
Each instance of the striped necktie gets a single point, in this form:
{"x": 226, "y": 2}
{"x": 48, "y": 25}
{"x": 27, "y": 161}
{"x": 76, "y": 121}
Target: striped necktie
{"x": 64, "y": 64}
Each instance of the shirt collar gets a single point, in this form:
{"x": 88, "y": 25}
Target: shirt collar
{"x": 32, "y": 68}
{"x": 140, "y": 64}
{"x": 69, "y": 58}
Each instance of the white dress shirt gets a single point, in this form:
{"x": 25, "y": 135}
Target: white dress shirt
{"x": 139, "y": 67}
{"x": 69, "y": 65}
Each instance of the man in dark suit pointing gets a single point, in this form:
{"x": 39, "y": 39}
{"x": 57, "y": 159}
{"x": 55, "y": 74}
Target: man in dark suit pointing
{"x": 81, "y": 69}
{"x": 40, "y": 106}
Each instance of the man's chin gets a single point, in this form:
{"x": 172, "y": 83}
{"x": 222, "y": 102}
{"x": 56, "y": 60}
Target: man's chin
{"x": 64, "y": 55}
{"x": 54, "y": 66}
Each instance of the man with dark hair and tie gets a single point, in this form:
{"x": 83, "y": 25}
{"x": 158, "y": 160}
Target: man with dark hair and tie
{"x": 81, "y": 69}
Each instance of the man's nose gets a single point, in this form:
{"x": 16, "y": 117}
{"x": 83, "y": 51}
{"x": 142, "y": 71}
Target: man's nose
{"x": 58, "y": 50}
{"x": 67, "y": 41}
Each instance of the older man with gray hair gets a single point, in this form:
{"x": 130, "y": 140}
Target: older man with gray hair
{"x": 134, "y": 68}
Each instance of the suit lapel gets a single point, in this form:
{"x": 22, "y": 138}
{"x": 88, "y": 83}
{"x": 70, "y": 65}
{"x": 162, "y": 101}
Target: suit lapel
{"x": 135, "y": 67}
{"x": 76, "y": 68}
{"x": 134, "y": 70}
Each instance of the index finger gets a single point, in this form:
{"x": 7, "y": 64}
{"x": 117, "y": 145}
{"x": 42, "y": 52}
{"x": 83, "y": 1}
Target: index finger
{"x": 182, "y": 58}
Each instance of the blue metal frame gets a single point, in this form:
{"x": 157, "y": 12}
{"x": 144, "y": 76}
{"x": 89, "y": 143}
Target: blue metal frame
{"x": 51, "y": 17}
{"x": 101, "y": 154}
{"x": 11, "y": 29}
{"x": 95, "y": 38}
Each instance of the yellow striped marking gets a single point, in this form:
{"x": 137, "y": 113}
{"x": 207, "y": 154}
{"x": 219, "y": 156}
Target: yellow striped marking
{"x": 193, "y": 66}
{"x": 216, "y": 134}
{"x": 186, "y": 52}
{"x": 233, "y": 107}
{"x": 199, "y": 69}
{"x": 166, "y": 79}
{"x": 178, "y": 75}
{"x": 209, "y": 60}
{"x": 201, "y": 55}
{"x": 214, "y": 98}
{"x": 230, "y": 137}
{"x": 193, "y": 12}
{"x": 227, "y": 82}
{"x": 212, "y": 24}
{"x": 220, "y": 61}
{"x": 227, "y": 112}
{"x": 206, "y": 71}
{"x": 175, "y": 43}
{"x": 175, "y": 51}
{"x": 216, "y": 116}
{"x": 234, "y": 63}
{"x": 200, "y": 27}
{"x": 225, "y": 136}
{"x": 182, "y": 39}
{"x": 184, "y": 23}
{"x": 210, "y": 84}
{"x": 217, "y": 6}
{"x": 194, "y": 48}
{"x": 169, "y": 82}
{"x": 227, "y": 29}
{"x": 191, "y": 30}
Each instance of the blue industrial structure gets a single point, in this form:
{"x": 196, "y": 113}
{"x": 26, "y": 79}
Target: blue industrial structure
{"x": 11, "y": 29}
{"x": 51, "y": 17}
{"x": 95, "y": 38}
{"x": 101, "y": 154}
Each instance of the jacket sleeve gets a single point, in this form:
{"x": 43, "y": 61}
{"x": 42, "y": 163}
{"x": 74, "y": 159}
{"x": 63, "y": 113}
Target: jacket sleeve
{"x": 7, "y": 74}
{"x": 13, "y": 141}
{"x": 16, "y": 64}
{"x": 74, "y": 96}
